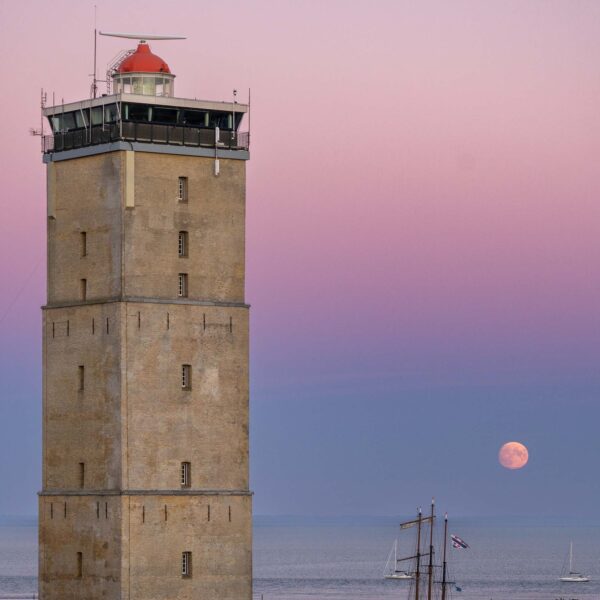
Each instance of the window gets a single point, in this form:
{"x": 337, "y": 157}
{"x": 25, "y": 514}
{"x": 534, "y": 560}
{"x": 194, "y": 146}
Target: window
{"x": 80, "y": 119}
{"x": 96, "y": 115}
{"x": 79, "y": 565}
{"x": 81, "y": 475}
{"x": 182, "y": 291}
{"x": 83, "y": 288}
{"x": 186, "y": 564}
{"x": 168, "y": 116}
{"x": 186, "y": 377}
{"x": 81, "y": 378}
{"x": 183, "y": 189}
{"x": 186, "y": 479}
{"x": 183, "y": 244}
{"x": 83, "y": 243}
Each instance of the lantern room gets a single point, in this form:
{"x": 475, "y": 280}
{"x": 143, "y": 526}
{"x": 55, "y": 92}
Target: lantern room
{"x": 143, "y": 72}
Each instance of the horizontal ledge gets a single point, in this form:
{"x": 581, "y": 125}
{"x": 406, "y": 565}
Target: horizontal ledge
{"x": 148, "y": 300}
{"x": 146, "y": 493}
{"x": 156, "y": 148}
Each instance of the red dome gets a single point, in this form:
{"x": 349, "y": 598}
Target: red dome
{"x": 143, "y": 61}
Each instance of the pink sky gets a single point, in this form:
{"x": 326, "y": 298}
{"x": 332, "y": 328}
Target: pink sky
{"x": 423, "y": 194}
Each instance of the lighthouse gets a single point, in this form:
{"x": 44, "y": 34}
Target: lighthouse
{"x": 145, "y": 492}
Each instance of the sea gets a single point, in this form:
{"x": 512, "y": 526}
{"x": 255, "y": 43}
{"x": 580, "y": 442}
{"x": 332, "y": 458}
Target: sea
{"x": 310, "y": 558}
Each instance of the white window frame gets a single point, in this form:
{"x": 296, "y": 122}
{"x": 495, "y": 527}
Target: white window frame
{"x": 182, "y": 286}
{"x": 186, "y": 377}
{"x": 185, "y": 478}
{"x": 186, "y": 564}
{"x": 183, "y": 244}
{"x": 182, "y": 195}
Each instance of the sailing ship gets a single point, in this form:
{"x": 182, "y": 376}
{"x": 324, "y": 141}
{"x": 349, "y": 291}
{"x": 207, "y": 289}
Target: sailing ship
{"x": 427, "y": 579}
{"x": 391, "y": 570}
{"x": 573, "y": 576}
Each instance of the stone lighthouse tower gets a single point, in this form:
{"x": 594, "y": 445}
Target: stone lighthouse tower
{"x": 145, "y": 335}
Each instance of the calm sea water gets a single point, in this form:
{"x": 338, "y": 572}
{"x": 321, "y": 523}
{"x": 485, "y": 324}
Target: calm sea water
{"x": 335, "y": 559}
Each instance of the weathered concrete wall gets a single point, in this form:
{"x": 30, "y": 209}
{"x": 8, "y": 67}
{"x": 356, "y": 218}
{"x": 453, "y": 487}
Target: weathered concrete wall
{"x": 132, "y": 424}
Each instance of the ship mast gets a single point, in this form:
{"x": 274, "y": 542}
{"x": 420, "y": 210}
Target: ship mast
{"x": 430, "y": 567}
{"x": 418, "y": 570}
{"x": 444, "y": 563}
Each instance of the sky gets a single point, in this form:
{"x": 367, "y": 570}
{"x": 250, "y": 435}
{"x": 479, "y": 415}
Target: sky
{"x": 422, "y": 250}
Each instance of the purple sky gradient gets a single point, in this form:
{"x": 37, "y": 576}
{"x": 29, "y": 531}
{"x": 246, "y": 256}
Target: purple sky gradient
{"x": 423, "y": 239}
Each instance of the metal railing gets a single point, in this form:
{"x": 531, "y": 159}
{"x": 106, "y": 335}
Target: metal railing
{"x": 152, "y": 133}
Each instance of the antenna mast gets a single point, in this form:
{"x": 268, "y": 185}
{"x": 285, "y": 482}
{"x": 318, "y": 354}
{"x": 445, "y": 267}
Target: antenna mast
{"x": 95, "y": 81}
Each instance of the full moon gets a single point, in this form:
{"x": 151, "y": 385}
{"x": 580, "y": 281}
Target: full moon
{"x": 513, "y": 455}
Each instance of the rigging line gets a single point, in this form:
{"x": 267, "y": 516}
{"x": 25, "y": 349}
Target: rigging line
{"x": 21, "y": 290}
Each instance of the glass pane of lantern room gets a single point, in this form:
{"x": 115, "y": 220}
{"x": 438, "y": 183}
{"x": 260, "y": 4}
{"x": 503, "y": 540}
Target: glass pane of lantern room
{"x": 149, "y": 86}
{"x": 159, "y": 86}
{"x": 137, "y": 85}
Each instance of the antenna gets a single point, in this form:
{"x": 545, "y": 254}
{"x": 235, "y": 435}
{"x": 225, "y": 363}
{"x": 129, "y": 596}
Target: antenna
{"x": 95, "y": 83}
{"x": 142, "y": 37}
{"x": 40, "y": 131}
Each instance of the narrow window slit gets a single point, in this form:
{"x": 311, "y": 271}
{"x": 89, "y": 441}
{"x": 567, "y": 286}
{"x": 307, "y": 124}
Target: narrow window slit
{"x": 186, "y": 377}
{"x": 186, "y": 564}
{"x": 183, "y": 189}
{"x": 186, "y": 475}
{"x": 81, "y": 375}
{"x": 182, "y": 245}
{"x": 182, "y": 290}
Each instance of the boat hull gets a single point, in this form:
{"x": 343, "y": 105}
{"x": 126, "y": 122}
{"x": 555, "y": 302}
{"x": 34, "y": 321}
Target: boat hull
{"x": 575, "y": 579}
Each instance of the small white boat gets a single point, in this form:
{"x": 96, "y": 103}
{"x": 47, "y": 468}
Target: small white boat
{"x": 391, "y": 568}
{"x": 573, "y": 576}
